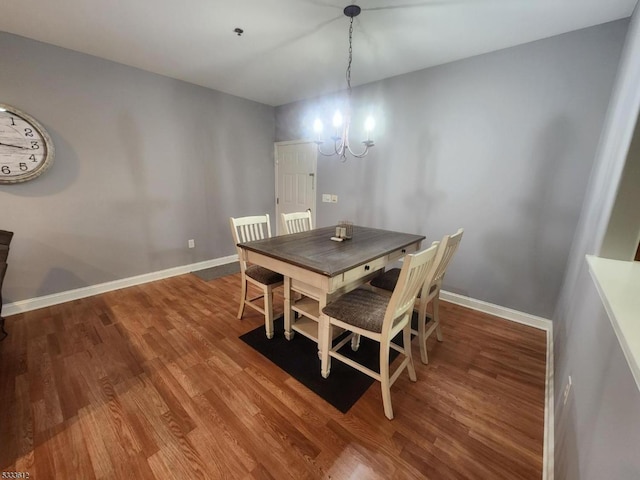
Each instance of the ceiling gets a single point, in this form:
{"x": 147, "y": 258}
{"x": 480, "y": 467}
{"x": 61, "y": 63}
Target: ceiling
{"x": 295, "y": 49}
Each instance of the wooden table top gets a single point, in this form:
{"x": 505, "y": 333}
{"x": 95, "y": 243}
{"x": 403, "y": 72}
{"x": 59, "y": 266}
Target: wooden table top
{"x": 314, "y": 250}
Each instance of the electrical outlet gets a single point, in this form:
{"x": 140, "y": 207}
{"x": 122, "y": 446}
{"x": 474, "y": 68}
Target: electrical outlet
{"x": 567, "y": 390}
{"x": 326, "y": 197}
{"x": 334, "y": 198}
{"x": 192, "y": 243}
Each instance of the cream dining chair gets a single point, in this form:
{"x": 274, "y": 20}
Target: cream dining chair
{"x": 430, "y": 292}
{"x": 296, "y": 222}
{"x": 380, "y": 318}
{"x": 247, "y": 229}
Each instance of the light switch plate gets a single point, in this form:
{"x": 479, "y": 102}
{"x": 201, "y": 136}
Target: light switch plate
{"x": 326, "y": 198}
{"x": 334, "y": 198}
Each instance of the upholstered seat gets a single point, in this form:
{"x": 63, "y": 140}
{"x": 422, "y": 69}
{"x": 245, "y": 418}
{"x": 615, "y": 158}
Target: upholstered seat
{"x": 430, "y": 293}
{"x": 380, "y": 318}
{"x": 248, "y": 229}
{"x": 360, "y": 308}
{"x": 263, "y": 275}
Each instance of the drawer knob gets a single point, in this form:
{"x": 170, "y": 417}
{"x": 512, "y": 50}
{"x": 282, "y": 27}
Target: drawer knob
{"x": 404, "y": 250}
{"x": 367, "y": 268}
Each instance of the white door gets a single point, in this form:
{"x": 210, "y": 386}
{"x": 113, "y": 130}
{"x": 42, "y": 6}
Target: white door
{"x": 295, "y": 179}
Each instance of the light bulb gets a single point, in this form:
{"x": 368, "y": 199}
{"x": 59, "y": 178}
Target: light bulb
{"x": 369, "y": 124}
{"x": 317, "y": 127}
{"x": 337, "y": 119}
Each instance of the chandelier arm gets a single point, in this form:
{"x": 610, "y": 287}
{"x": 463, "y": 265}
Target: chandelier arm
{"x": 344, "y": 146}
{"x": 327, "y": 154}
{"x": 363, "y": 153}
{"x": 339, "y": 147}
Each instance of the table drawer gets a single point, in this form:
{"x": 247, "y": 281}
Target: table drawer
{"x": 368, "y": 268}
{"x": 401, "y": 252}
{"x": 364, "y": 270}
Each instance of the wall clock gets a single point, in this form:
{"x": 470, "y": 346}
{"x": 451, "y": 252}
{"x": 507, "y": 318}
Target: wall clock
{"x": 26, "y": 149}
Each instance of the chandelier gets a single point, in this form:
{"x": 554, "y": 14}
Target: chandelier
{"x": 341, "y": 124}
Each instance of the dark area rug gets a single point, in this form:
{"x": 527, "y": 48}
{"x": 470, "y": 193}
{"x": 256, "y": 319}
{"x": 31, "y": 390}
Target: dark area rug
{"x": 299, "y": 358}
{"x": 217, "y": 272}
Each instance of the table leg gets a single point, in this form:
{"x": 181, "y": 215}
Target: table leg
{"x": 322, "y": 302}
{"x": 288, "y": 313}
{"x": 355, "y": 342}
{"x": 324, "y": 344}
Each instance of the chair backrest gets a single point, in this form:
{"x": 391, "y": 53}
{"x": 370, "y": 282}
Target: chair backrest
{"x": 248, "y": 229}
{"x": 448, "y": 246}
{"x": 296, "y": 222}
{"x": 5, "y": 237}
{"x": 3, "y": 270}
{"x": 417, "y": 268}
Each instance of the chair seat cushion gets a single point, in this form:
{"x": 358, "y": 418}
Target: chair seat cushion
{"x": 360, "y": 308}
{"x": 263, "y": 275}
{"x": 388, "y": 280}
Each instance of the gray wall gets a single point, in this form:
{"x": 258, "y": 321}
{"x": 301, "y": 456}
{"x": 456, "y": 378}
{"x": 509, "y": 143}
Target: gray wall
{"x": 501, "y": 144}
{"x": 143, "y": 163}
{"x": 598, "y": 430}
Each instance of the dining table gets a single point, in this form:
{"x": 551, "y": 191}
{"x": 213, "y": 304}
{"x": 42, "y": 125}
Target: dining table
{"x": 318, "y": 269}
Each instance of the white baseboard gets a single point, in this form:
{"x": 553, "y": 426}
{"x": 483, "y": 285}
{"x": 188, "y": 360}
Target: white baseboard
{"x": 548, "y": 452}
{"x": 497, "y": 310}
{"x": 57, "y": 298}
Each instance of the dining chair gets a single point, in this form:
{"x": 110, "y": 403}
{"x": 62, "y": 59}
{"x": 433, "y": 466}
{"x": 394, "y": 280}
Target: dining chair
{"x": 247, "y": 229}
{"x": 296, "y": 222}
{"x": 5, "y": 241}
{"x": 430, "y": 292}
{"x": 3, "y": 270}
{"x": 380, "y": 318}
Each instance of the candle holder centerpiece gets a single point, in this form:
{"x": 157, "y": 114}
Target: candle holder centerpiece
{"x": 344, "y": 229}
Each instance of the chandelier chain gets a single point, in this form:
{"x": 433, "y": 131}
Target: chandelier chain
{"x": 350, "y": 57}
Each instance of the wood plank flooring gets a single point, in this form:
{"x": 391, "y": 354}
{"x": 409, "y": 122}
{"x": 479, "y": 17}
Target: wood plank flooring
{"x": 152, "y": 382}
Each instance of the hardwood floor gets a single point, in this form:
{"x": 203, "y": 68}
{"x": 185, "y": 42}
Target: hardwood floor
{"x": 153, "y": 382}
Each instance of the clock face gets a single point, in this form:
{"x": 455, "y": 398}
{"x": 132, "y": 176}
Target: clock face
{"x": 26, "y": 150}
